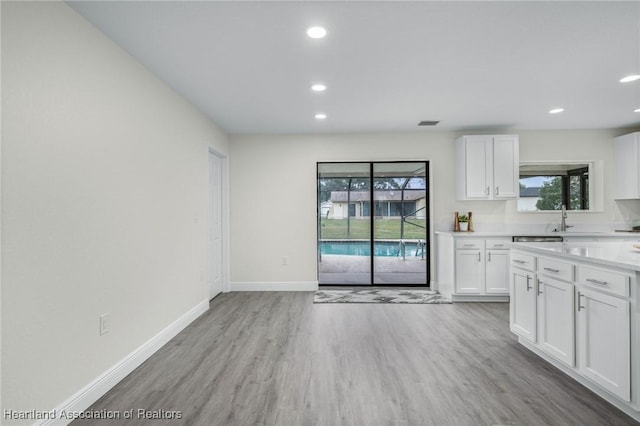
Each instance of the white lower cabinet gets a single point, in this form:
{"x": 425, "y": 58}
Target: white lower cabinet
{"x": 577, "y": 314}
{"x": 497, "y": 272}
{"x": 482, "y": 267}
{"x": 604, "y": 341}
{"x": 556, "y": 326}
{"x": 469, "y": 271}
{"x": 522, "y": 304}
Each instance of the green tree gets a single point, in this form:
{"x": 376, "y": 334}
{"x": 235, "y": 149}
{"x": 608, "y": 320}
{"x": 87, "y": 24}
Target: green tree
{"x": 574, "y": 193}
{"x": 387, "y": 183}
{"x": 550, "y": 195}
{"x": 328, "y": 185}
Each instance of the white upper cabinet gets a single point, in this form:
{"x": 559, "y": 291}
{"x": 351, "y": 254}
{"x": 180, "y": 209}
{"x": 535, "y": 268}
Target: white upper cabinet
{"x": 487, "y": 167}
{"x": 627, "y": 159}
{"x": 475, "y": 162}
{"x": 506, "y": 167}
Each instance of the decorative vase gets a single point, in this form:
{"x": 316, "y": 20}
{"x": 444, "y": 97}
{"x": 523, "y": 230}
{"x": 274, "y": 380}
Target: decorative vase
{"x": 464, "y": 226}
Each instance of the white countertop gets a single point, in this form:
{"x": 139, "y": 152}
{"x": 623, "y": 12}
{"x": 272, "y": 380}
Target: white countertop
{"x": 540, "y": 234}
{"x": 615, "y": 253}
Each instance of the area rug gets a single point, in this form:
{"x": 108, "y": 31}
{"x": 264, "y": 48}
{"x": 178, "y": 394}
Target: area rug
{"x": 379, "y": 296}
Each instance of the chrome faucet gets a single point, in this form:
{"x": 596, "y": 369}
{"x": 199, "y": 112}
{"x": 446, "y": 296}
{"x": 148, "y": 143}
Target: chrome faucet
{"x": 563, "y": 222}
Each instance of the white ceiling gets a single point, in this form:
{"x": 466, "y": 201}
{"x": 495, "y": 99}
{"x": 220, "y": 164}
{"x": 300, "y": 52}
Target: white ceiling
{"x": 388, "y": 65}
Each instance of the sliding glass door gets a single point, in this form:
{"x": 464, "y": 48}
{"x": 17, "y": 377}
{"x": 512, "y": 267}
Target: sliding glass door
{"x": 400, "y": 223}
{"x": 344, "y": 223}
{"x": 373, "y": 223}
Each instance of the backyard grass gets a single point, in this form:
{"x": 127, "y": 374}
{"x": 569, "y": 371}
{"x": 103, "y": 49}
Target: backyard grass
{"x": 360, "y": 229}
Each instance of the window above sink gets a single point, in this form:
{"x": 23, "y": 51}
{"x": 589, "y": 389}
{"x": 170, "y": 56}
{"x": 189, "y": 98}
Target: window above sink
{"x": 546, "y": 185}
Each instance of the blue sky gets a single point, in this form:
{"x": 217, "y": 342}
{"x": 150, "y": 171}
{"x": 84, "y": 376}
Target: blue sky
{"x": 534, "y": 181}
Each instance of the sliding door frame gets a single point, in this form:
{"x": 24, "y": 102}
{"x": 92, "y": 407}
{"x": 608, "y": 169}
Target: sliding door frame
{"x": 372, "y": 211}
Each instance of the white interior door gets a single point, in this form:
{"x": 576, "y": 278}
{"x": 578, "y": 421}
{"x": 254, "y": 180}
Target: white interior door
{"x": 215, "y": 225}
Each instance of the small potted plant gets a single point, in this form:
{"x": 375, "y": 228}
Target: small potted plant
{"x": 463, "y": 220}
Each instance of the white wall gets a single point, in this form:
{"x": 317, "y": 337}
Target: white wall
{"x": 104, "y": 196}
{"x": 283, "y": 168}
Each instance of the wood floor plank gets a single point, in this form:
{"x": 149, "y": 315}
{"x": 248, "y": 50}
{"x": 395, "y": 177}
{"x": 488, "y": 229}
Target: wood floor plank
{"x": 277, "y": 359}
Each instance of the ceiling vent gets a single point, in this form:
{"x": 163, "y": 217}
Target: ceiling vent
{"x": 428, "y": 123}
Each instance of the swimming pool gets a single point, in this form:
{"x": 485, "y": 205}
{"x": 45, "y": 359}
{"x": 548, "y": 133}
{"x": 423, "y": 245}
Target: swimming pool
{"x": 363, "y": 248}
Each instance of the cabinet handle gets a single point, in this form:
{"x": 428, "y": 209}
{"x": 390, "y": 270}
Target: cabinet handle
{"x": 579, "y": 305}
{"x": 519, "y": 261}
{"x": 479, "y": 258}
{"x": 498, "y": 245}
{"x": 540, "y": 283}
{"x": 469, "y": 245}
{"x": 488, "y": 256}
{"x": 552, "y": 270}
{"x": 591, "y": 280}
{"x": 488, "y": 190}
{"x": 528, "y": 286}
{"x": 497, "y": 190}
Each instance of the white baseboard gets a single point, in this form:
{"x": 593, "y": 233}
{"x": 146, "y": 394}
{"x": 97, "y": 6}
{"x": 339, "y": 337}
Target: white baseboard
{"x": 445, "y": 289}
{"x": 275, "y": 286}
{"x": 478, "y": 298}
{"x": 89, "y": 394}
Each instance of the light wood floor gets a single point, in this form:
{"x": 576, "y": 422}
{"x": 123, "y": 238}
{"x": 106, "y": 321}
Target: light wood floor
{"x": 278, "y": 359}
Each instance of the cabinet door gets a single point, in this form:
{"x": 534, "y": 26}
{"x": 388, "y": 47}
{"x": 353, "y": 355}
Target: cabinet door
{"x": 627, "y": 155}
{"x": 556, "y": 320}
{"x": 506, "y": 167}
{"x": 469, "y": 271}
{"x": 522, "y": 306}
{"x": 604, "y": 341}
{"x": 497, "y": 272}
{"x": 478, "y": 165}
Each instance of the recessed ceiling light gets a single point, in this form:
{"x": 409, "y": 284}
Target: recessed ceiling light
{"x": 630, "y": 78}
{"x": 321, "y": 116}
{"x": 318, "y": 87}
{"x": 636, "y": 110}
{"x": 316, "y": 32}
{"x": 556, "y": 111}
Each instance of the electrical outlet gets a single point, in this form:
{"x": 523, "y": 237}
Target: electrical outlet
{"x": 285, "y": 260}
{"x": 105, "y": 320}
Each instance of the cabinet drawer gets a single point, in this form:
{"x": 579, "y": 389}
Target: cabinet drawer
{"x": 604, "y": 280}
{"x": 498, "y": 244}
{"x": 556, "y": 269}
{"x": 521, "y": 260}
{"x": 465, "y": 243}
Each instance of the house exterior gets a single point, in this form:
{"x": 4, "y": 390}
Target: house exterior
{"x": 528, "y": 199}
{"x": 388, "y": 204}
{"x": 325, "y": 208}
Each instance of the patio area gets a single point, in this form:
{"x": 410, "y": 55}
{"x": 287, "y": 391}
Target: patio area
{"x": 340, "y": 269}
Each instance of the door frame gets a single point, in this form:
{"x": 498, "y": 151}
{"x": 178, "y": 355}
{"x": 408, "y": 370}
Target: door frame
{"x": 429, "y": 221}
{"x": 224, "y": 199}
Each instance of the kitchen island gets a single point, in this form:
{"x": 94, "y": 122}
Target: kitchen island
{"x": 577, "y": 305}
